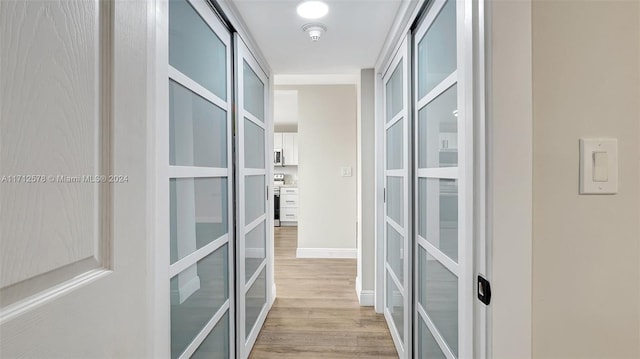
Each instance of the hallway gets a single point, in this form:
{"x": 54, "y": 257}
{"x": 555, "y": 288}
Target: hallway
{"x": 316, "y": 313}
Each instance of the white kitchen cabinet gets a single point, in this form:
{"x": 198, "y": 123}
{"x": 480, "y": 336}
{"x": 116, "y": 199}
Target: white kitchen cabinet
{"x": 289, "y": 200}
{"x": 288, "y": 143}
{"x": 290, "y": 148}
{"x": 277, "y": 141}
{"x": 288, "y": 206}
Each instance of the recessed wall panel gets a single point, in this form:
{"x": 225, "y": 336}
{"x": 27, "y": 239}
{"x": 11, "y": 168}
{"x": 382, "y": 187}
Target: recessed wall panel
{"x": 53, "y": 149}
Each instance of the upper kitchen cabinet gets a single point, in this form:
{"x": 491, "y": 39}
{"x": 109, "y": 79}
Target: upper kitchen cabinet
{"x": 287, "y": 142}
{"x": 290, "y": 148}
{"x": 277, "y": 141}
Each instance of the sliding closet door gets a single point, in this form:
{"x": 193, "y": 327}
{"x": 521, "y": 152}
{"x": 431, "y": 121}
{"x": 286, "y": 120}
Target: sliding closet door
{"x": 200, "y": 183}
{"x": 253, "y": 200}
{"x": 443, "y": 180}
{"x": 397, "y": 228}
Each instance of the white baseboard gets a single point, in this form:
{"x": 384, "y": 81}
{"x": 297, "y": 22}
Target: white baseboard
{"x": 326, "y": 253}
{"x": 366, "y": 297}
{"x": 273, "y": 294}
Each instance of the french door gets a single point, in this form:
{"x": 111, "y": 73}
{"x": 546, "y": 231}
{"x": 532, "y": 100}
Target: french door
{"x": 200, "y": 183}
{"x": 397, "y": 225}
{"x": 253, "y": 259}
{"x": 443, "y": 179}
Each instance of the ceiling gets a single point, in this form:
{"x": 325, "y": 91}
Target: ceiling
{"x": 356, "y": 32}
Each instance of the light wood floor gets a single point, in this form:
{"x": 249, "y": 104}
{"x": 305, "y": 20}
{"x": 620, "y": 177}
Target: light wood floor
{"x": 316, "y": 313}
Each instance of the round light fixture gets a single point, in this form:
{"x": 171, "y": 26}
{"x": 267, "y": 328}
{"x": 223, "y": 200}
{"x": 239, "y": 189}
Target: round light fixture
{"x": 312, "y": 9}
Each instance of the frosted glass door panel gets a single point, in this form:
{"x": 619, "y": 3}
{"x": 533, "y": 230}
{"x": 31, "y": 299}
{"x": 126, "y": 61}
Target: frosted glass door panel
{"x": 255, "y": 300}
{"x": 395, "y": 305}
{"x": 439, "y": 298}
{"x": 253, "y": 93}
{"x": 437, "y": 55}
{"x": 395, "y": 92}
{"x": 396, "y": 232}
{"x": 216, "y": 344}
{"x": 255, "y": 250}
{"x": 254, "y": 145}
{"x": 255, "y": 209}
{"x": 395, "y": 252}
{"x": 438, "y": 214}
{"x": 198, "y": 214}
{"x": 395, "y": 199}
{"x": 395, "y": 148}
{"x": 254, "y": 199}
{"x": 195, "y": 50}
{"x": 197, "y": 130}
{"x": 427, "y": 346}
{"x": 438, "y": 131}
{"x": 196, "y": 295}
{"x": 447, "y": 262}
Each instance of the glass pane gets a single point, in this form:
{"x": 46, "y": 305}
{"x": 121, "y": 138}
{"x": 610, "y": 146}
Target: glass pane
{"x": 254, "y": 251}
{"x": 216, "y": 344}
{"x": 253, "y": 93}
{"x": 395, "y": 199}
{"x": 196, "y": 295}
{"x": 255, "y": 300}
{"x": 438, "y": 295}
{"x": 197, "y": 212}
{"x": 395, "y": 148}
{"x": 395, "y": 252}
{"x": 195, "y": 50}
{"x": 438, "y": 131}
{"x": 253, "y": 145}
{"x": 422, "y": 270}
{"x": 395, "y": 305}
{"x": 438, "y": 214}
{"x": 197, "y": 130}
{"x": 255, "y": 197}
{"x": 428, "y": 348}
{"x": 437, "y": 50}
{"x": 394, "y": 92}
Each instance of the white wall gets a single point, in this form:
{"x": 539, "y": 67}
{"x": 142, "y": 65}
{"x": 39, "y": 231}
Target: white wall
{"x": 586, "y": 263}
{"x": 326, "y": 142}
{"x": 509, "y": 182}
{"x": 366, "y": 182}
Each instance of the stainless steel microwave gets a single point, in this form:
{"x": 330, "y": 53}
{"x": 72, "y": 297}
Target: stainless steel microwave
{"x": 278, "y": 158}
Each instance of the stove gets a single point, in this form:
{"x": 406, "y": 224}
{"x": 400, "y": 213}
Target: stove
{"x": 278, "y": 180}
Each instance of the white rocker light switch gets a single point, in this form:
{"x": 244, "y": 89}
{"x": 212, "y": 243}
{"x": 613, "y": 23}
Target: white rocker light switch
{"x": 598, "y": 166}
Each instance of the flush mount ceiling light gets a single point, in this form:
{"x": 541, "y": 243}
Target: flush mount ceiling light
{"x": 312, "y": 9}
{"x": 314, "y": 30}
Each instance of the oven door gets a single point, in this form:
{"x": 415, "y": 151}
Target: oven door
{"x": 276, "y": 209}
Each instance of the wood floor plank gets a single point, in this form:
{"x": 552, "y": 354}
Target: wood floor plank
{"x": 316, "y": 313}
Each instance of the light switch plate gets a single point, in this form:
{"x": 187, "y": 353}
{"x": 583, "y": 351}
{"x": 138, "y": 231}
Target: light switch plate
{"x": 346, "y": 171}
{"x": 598, "y": 166}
